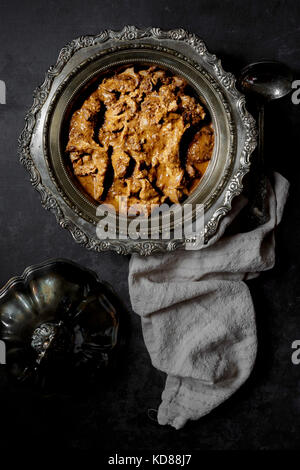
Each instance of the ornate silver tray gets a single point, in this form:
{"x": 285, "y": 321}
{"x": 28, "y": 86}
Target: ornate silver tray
{"x": 79, "y": 64}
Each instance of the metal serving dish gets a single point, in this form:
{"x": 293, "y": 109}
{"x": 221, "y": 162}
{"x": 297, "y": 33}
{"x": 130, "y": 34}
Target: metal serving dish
{"x": 58, "y": 318}
{"x": 84, "y": 60}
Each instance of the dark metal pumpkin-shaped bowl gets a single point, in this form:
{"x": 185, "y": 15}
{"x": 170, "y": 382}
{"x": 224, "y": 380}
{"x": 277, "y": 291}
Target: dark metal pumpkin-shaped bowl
{"x": 58, "y": 318}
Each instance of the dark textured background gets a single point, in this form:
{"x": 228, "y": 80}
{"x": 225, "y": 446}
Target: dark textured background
{"x": 265, "y": 413}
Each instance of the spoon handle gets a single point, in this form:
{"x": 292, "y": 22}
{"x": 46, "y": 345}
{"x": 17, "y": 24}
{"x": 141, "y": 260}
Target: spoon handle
{"x": 260, "y": 206}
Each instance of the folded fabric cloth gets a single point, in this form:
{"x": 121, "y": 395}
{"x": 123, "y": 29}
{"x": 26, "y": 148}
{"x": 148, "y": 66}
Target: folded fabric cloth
{"x": 197, "y": 314}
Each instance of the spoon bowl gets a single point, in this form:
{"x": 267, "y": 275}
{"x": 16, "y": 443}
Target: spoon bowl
{"x": 266, "y": 80}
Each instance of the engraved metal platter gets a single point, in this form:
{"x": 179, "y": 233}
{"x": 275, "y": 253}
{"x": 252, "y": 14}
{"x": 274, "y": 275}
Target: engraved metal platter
{"x": 80, "y": 64}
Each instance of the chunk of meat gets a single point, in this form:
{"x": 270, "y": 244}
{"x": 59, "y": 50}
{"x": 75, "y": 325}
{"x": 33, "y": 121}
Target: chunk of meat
{"x": 200, "y": 151}
{"x": 120, "y": 162}
{"x": 123, "y": 82}
{"x": 84, "y": 166}
{"x": 82, "y": 126}
{"x": 86, "y": 154}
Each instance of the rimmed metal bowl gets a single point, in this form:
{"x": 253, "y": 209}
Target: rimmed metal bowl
{"x": 79, "y": 65}
{"x": 58, "y": 318}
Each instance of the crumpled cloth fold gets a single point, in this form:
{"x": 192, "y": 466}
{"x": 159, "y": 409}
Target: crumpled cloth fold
{"x": 197, "y": 314}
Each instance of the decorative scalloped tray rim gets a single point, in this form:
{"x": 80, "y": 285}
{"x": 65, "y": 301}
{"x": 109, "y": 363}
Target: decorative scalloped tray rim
{"x": 49, "y": 202}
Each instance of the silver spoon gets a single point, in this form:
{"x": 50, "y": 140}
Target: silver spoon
{"x": 264, "y": 81}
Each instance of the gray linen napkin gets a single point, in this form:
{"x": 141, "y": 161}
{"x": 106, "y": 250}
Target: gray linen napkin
{"x": 197, "y": 314}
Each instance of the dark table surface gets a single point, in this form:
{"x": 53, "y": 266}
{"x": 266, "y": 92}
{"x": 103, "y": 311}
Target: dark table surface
{"x": 265, "y": 412}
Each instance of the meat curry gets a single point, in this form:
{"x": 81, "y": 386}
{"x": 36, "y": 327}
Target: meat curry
{"x": 141, "y": 134}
